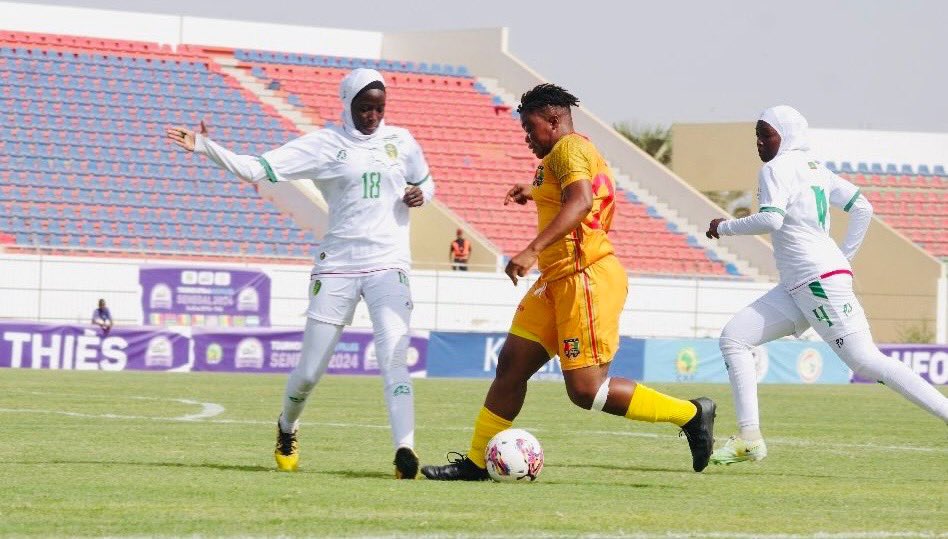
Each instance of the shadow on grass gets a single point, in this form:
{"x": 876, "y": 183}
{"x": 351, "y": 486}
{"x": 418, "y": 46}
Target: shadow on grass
{"x": 206, "y": 465}
{"x": 353, "y": 474}
{"x": 612, "y": 484}
{"x": 347, "y": 474}
{"x": 752, "y": 470}
{"x": 619, "y": 468}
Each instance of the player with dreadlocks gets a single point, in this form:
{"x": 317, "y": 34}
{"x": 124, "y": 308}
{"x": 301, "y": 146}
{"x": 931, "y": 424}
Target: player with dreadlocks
{"x": 573, "y": 309}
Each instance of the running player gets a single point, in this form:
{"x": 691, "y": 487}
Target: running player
{"x": 573, "y": 309}
{"x": 816, "y": 279}
{"x": 370, "y": 175}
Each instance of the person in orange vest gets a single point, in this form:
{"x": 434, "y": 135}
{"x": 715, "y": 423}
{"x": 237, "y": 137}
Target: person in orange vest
{"x": 460, "y": 252}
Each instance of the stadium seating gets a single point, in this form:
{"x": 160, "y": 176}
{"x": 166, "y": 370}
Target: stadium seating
{"x": 85, "y": 166}
{"x": 911, "y": 199}
{"x": 475, "y": 147}
{"x": 86, "y": 143}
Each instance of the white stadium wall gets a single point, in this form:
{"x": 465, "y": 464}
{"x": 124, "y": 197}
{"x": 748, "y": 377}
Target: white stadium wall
{"x": 66, "y": 289}
{"x": 883, "y": 147}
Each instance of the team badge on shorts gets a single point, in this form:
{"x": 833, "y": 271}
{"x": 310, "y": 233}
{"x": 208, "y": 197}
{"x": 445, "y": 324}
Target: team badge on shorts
{"x": 317, "y": 284}
{"x": 392, "y": 151}
{"x": 538, "y": 177}
{"x": 571, "y": 348}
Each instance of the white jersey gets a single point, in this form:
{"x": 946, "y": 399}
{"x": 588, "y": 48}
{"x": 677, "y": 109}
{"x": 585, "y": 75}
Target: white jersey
{"x": 363, "y": 182}
{"x": 802, "y": 190}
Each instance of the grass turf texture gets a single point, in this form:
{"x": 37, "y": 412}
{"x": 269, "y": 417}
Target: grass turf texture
{"x": 842, "y": 459}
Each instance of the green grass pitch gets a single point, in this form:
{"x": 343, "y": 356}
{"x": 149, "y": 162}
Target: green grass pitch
{"x": 91, "y": 453}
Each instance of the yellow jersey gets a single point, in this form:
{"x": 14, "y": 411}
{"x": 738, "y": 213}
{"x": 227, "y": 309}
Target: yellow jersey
{"x": 574, "y": 158}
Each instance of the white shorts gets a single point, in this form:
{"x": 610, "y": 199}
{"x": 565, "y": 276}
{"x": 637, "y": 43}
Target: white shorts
{"x": 827, "y": 304}
{"x": 333, "y": 299}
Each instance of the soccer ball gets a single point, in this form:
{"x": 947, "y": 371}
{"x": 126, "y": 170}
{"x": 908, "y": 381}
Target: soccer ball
{"x": 514, "y": 454}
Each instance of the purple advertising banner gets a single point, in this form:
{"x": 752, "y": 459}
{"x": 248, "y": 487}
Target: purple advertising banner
{"x": 262, "y": 350}
{"x": 930, "y": 361}
{"x": 204, "y": 297}
{"x": 31, "y": 345}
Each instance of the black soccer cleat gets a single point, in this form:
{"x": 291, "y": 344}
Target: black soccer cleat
{"x": 700, "y": 433}
{"x": 460, "y": 468}
{"x": 406, "y": 463}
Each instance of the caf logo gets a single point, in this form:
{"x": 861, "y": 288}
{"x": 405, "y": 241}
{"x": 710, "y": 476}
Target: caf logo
{"x": 686, "y": 363}
{"x": 213, "y": 354}
{"x": 342, "y": 155}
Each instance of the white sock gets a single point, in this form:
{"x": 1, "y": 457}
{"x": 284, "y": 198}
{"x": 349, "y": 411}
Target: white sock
{"x": 319, "y": 342}
{"x": 758, "y": 323}
{"x": 400, "y": 398}
{"x": 389, "y": 303}
{"x": 743, "y": 376}
{"x": 864, "y": 357}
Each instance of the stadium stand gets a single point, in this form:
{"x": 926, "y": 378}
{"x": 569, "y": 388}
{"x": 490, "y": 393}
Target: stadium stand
{"x": 85, "y": 169}
{"x": 913, "y": 200}
{"x": 475, "y": 147}
{"x": 85, "y": 166}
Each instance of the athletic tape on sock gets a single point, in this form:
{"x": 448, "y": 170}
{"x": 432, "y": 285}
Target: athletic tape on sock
{"x": 601, "y": 396}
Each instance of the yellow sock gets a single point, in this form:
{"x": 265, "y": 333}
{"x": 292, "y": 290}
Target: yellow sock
{"x": 652, "y": 406}
{"x": 487, "y": 425}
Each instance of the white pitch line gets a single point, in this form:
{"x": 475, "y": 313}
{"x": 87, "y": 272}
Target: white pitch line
{"x": 693, "y": 535}
{"x": 211, "y": 409}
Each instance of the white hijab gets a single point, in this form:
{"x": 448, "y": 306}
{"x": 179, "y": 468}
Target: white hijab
{"x": 790, "y": 125}
{"x": 351, "y": 85}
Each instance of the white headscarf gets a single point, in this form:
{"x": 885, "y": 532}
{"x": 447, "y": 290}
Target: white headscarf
{"x": 351, "y": 85}
{"x": 790, "y": 125}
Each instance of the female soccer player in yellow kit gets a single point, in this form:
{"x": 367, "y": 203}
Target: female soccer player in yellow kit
{"x": 573, "y": 309}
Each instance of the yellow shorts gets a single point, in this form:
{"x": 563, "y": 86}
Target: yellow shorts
{"x": 576, "y": 317}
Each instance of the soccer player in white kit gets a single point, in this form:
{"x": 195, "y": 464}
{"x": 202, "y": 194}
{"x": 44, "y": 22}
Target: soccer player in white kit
{"x": 370, "y": 174}
{"x": 816, "y": 279}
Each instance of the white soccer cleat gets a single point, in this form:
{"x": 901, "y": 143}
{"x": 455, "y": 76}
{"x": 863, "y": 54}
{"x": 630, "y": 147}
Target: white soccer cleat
{"x": 737, "y": 450}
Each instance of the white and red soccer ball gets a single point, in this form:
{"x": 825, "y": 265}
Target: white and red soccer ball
{"x": 514, "y": 455}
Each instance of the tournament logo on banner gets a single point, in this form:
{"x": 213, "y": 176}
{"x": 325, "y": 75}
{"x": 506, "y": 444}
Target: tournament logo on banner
{"x": 204, "y": 297}
{"x": 782, "y": 362}
{"x": 31, "y": 345}
{"x": 930, "y": 361}
{"x": 270, "y": 350}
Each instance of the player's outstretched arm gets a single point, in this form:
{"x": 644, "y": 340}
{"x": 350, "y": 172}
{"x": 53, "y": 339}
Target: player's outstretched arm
{"x": 519, "y": 193}
{"x": 577, "y": 203}
{"x": 245, "y": 167}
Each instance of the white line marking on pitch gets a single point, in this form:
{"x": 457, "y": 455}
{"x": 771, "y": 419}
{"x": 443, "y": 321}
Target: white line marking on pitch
{"x": 688, "y": 535}
{"x": 210, "y": 410}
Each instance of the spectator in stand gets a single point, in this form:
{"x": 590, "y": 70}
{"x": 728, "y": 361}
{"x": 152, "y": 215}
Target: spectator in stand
{"x": 460, "y": 252}
{"x": 102, "y": 317}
